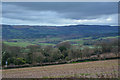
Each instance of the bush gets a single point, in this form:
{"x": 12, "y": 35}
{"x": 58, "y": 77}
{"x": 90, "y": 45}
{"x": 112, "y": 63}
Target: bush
{"x": 19, "y": 61}
{"x": 11, "y": 60}
{"x": 29, "y": 58}
{"x": 5, "y": 56}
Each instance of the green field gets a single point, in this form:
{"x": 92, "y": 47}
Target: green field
{"x": 20, "y": 44}
{"x": 50, "y": 41}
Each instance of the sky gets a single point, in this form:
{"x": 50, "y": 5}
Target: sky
{"x": 60, "y": 13}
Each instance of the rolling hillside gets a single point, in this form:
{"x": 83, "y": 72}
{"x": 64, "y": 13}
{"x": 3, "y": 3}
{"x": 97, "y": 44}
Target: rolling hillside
{"x": 51, "y": 35}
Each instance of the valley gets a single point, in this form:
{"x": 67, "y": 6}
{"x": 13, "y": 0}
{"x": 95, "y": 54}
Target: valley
{"x": 15, "y": 35}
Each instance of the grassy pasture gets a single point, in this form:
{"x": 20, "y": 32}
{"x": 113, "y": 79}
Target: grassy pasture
{"x": 44, "y": 41}
{"x": 20, "y": 44}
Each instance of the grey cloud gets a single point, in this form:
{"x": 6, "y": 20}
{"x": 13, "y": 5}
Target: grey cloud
{"x": 72, "y": 10}
{"x": 57, "y": 13}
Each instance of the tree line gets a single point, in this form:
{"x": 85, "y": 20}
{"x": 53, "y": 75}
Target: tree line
{"x": 64, "y": 51}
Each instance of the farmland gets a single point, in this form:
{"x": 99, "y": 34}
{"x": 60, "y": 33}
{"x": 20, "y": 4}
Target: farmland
{"x": 52, "y": 40}
{"x": 107, "y": 68}
{"x": 44, "y": 41}
{"x": 67, "y": 46}
{"x": 15, "y": 35}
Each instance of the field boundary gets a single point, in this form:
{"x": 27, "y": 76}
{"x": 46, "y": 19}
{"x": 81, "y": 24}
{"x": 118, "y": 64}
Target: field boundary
{"x": 58, "y": 63}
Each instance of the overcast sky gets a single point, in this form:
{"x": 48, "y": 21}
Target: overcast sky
{"x": 61, "y": 13}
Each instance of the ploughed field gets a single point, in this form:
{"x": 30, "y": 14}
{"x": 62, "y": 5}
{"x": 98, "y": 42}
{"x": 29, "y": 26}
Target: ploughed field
{"x": 94, "y": 69}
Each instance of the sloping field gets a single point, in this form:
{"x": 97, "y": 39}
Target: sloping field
{"x": 107, "y": 68}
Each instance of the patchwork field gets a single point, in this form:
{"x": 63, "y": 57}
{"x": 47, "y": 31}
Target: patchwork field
{"x": 107, "y": 68}
{"x": 53, "y": 41}
{"x": 15, "y": 35}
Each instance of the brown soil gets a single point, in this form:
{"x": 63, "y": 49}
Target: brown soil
{"x": 108, "y": 68}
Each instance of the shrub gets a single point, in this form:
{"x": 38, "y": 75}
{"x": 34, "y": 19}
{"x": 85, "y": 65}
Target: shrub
{"x": 11, "y": 60}
{"x": 19, "y": 61}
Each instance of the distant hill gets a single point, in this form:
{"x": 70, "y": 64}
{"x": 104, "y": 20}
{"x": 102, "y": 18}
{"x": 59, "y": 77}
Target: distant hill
{"x": 72, "y": 31}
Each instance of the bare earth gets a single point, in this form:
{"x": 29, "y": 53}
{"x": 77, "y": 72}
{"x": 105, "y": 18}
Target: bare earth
{"x": 87, "y": 69}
